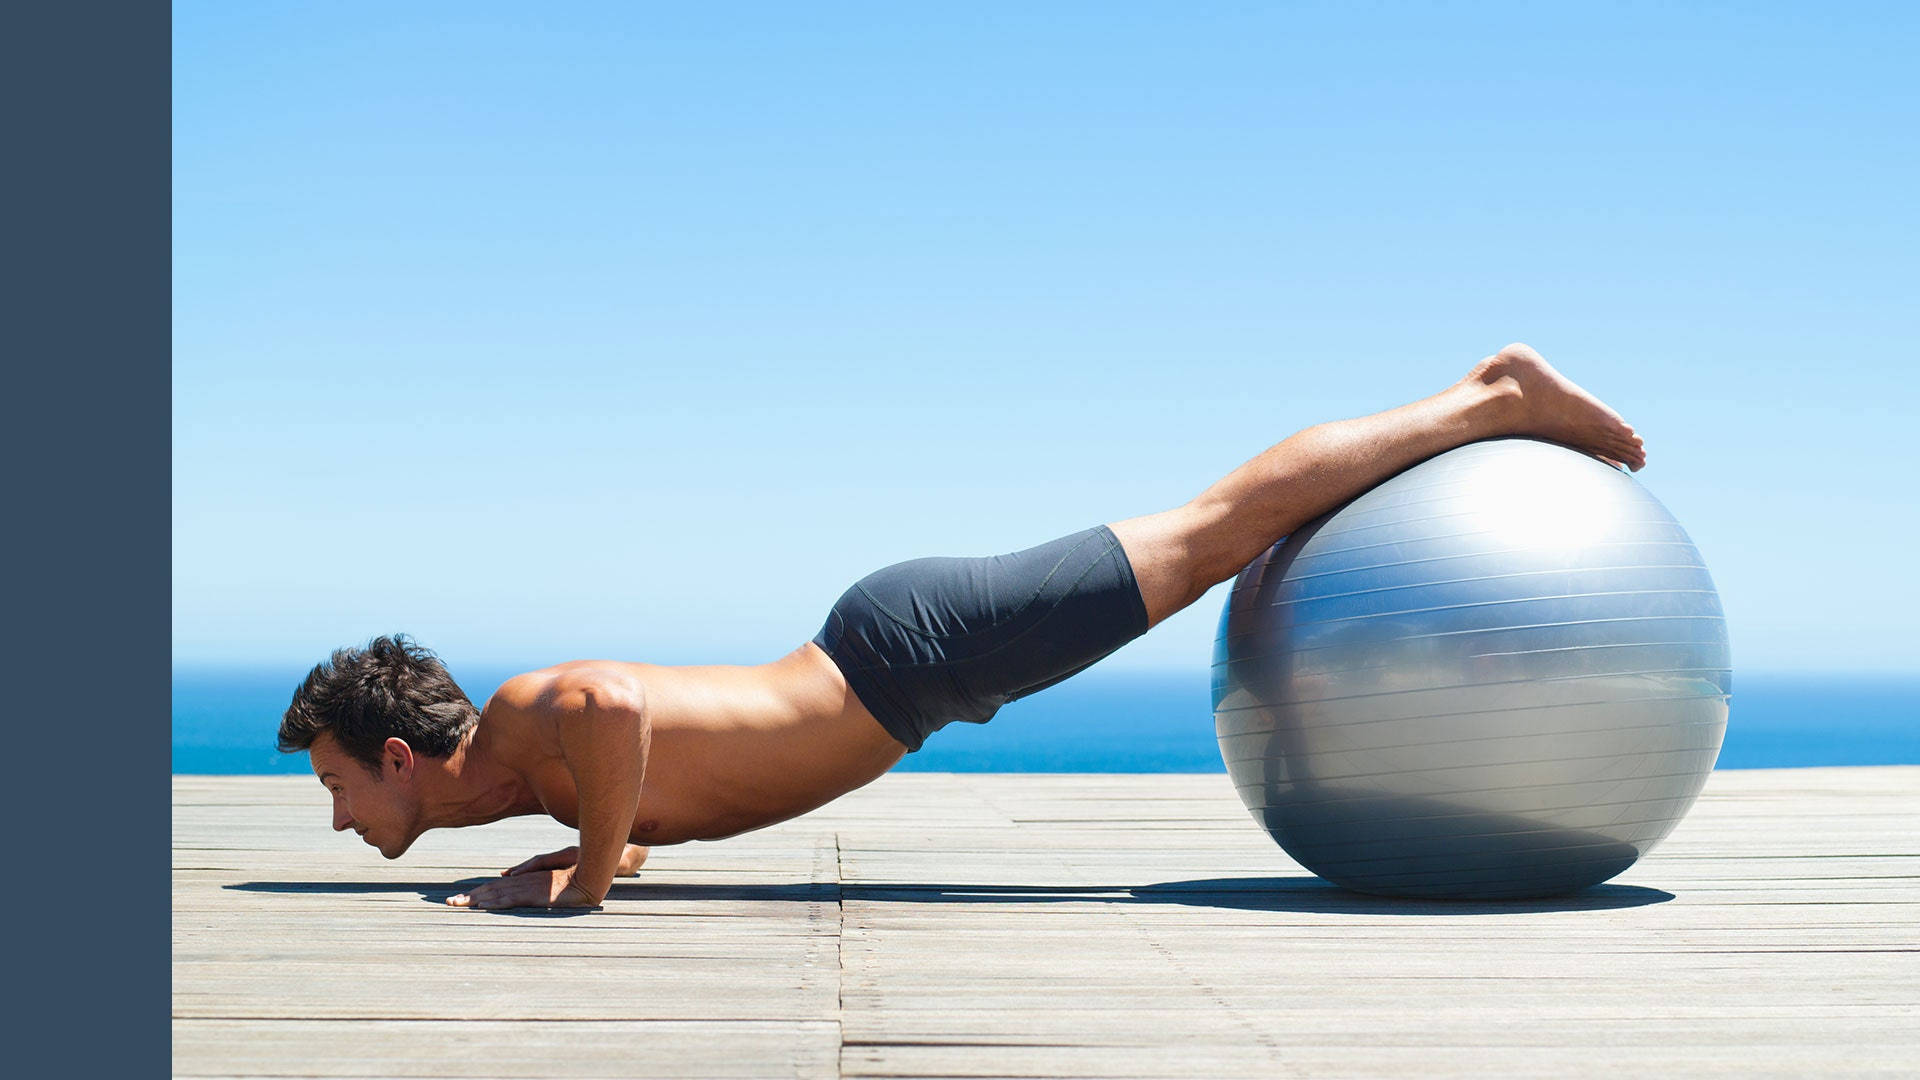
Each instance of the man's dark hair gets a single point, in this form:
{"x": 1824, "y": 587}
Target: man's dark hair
{"x": 394, "y": 687}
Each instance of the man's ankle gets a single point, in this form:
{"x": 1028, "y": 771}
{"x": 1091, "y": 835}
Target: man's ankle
{"x": 1492, "y": 408}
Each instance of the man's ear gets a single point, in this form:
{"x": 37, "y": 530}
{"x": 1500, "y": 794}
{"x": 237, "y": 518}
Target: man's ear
{"x": 397, "y": 759}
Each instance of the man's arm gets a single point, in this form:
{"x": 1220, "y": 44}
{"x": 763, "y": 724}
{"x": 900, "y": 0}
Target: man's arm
{"x": 604, "y": 736}
{"x": 598, "y": 720}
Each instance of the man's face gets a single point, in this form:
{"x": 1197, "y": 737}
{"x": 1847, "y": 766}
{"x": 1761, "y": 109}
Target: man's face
{"x": 381, "y": 809}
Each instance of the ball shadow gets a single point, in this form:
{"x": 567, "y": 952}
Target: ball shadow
{"x": 1317, "y": 895}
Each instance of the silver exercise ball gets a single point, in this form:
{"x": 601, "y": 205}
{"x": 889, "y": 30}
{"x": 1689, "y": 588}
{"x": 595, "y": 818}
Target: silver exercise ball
{"x": 1502, "y": 673}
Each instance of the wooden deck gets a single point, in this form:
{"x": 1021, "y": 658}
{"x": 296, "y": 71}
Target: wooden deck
{"x": 1045, "y": 925}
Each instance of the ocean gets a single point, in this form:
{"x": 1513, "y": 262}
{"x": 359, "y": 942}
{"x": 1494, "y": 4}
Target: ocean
{"x": 224, "y": 721}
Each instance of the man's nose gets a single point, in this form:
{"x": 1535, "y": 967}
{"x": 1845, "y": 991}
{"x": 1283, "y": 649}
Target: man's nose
{"x": 342, "y": 821}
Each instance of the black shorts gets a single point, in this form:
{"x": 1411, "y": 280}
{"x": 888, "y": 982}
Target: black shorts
{"x": 930, "y": 641}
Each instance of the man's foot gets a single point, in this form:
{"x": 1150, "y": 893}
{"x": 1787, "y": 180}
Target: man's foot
{"x": 1548, "y": 404}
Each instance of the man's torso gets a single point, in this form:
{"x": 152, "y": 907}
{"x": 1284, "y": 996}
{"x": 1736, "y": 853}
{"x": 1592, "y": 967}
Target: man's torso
{"x": 733, "y": 748}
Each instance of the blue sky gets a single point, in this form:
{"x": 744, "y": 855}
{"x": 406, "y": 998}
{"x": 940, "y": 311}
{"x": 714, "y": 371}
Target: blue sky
{"x": 619, "y": 330}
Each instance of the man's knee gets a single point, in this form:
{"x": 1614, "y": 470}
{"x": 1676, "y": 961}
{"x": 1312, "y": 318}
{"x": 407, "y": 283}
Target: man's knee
{"x": 1176, "y": 557}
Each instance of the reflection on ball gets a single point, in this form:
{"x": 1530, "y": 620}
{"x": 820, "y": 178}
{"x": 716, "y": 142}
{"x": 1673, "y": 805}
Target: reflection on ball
{"x": 1502, "y": 673}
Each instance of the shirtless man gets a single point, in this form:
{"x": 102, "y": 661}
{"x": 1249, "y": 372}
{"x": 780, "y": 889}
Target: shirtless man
{"x": 638, "y": 755}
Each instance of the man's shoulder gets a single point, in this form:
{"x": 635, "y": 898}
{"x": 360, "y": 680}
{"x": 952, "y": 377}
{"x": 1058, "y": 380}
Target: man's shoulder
{"x": 564, "y": 687}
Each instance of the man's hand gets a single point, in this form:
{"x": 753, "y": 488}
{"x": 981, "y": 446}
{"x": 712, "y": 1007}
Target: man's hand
{"x": 630, "y": 861}
{"x": 534, "y": 888}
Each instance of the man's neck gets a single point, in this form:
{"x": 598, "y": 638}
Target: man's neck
{"x": 470, "y": 788}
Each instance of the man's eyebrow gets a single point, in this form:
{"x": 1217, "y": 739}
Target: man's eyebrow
{"x": 324, "y": 775}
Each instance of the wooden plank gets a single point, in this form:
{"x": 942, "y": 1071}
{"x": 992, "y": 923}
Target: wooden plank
{"x": 384, "y": 1047}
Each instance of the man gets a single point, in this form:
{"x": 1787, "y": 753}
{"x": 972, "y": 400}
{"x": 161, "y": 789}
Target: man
{"x": 636, "y": 755}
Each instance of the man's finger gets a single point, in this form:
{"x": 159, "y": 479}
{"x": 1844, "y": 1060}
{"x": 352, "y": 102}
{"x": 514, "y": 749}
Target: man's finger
{"x": 478, "y": 898}
{"x": 496, "y": 898}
